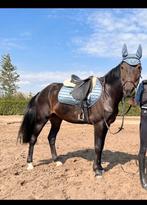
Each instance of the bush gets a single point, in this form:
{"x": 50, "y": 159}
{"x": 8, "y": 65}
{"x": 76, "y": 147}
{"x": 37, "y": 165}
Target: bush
{"x": 134, "y": 111}
{"x": 12, "y": 106}
{"x": 16, "y": 106}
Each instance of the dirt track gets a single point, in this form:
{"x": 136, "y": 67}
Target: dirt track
{"x": 75, "y": 178}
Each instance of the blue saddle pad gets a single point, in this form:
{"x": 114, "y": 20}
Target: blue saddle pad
{"x": 65, "y": 96}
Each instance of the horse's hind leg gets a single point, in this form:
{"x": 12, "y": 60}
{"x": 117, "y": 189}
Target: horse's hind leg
{"x": 32, "y": 142}
{"x": 55, "y": 126}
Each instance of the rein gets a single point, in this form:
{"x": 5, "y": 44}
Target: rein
{"x": 122, "y": 114}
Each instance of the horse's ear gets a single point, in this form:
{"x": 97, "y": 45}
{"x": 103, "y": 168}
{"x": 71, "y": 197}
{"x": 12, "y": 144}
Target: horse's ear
{"x": 124, "y": 51}
{"x": 139, "y": 52}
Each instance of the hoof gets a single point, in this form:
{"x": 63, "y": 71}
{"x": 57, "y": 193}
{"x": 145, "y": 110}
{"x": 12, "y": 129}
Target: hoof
{"x": 99, "y": 173}
{"x": 58, "y": 163}
{"x": 98, "y": 176}
{"x": 144, "y": 186}
{"x": 30, "y": 166}
{"x": 143, "y": 181}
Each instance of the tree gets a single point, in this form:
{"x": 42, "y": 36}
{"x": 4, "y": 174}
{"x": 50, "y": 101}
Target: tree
{"x": 8, "y": 76}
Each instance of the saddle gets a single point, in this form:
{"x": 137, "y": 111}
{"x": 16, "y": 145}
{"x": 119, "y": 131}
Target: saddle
{"x": 82, "y": 87}
{"x": 80, "y": 92}
{"x": 75, "y": 79}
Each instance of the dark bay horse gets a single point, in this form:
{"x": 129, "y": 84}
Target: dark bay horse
{"x": 118, "y": 82}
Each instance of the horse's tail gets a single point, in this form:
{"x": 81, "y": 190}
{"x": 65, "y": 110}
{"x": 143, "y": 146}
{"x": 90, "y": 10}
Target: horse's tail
{"x": 28, "y": 122}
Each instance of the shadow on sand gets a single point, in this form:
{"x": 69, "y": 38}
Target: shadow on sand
{"x": 113, "y": 158}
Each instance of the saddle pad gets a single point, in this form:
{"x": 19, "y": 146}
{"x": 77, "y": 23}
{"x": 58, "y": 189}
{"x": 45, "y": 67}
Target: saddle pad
{"x": 65, "y": 96}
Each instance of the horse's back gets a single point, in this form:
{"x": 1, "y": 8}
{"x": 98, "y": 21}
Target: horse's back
{"x": 48, "y": 97}
{"x": 50, "y": 90}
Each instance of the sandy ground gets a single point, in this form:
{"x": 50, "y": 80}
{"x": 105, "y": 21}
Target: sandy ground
{"x": 75, "y": 178}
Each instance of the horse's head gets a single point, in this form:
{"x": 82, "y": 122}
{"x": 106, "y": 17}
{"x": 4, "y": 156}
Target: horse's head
{"x": 130, "y": 70}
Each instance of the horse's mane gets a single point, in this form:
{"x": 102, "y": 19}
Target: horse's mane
{"x": 112, "y": 75}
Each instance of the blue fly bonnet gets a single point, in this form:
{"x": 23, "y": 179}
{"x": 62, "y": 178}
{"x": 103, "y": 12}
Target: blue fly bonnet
{"x": 132, "y": 59}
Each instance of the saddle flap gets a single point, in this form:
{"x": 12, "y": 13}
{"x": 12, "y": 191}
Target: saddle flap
{"x": 81, "y": 91}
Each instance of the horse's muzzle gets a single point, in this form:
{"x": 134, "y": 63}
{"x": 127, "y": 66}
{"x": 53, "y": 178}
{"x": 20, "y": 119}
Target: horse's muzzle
{"x": 127, "y": 93}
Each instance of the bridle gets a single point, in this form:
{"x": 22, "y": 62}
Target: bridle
{"x": 129, "y": 81}
{"x": 134, "y": 83}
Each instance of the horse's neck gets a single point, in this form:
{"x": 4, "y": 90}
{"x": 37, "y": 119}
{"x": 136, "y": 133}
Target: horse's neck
{"x": 113, "y": 91}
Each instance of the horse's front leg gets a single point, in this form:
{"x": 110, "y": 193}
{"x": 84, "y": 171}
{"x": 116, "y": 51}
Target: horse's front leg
{"x": 100, "y": 131}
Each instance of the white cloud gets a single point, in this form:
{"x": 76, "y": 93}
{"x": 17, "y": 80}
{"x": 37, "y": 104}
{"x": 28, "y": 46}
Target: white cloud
{"x": 43, "y": 76}
{"x": 144, "y": 76}
{"x": 34, "y": 82}
{"x": 111, "y": 28}
{"x": 23, "y": 82}
{"x": 57, "y": 76}
{"x": 26, "y": 34}
{"x": 18, "y": 42}
{"x": 10, "y": 43}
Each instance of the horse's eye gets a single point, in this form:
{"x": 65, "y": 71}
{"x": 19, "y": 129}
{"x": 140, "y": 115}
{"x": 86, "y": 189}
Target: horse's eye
{"x": 122, "y": 67}
{"x": 139, "y": 67}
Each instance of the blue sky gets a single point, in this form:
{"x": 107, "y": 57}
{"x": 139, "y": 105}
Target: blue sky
{"x": 48, "y": 45}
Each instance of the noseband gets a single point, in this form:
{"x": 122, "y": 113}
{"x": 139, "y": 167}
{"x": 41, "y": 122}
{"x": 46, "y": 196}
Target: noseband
{"x": 129, "y": 81}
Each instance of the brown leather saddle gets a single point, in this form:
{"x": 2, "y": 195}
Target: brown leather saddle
{"x": 80, "y": 92}
{"x": 82, "y": 88}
